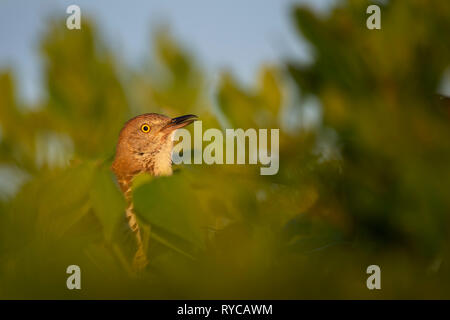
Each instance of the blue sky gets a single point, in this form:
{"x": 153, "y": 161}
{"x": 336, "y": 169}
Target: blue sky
{"x": 236, "y": 34}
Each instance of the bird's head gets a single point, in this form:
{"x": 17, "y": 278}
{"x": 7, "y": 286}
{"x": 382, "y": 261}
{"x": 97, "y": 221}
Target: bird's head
{"x": 145, "y": 144}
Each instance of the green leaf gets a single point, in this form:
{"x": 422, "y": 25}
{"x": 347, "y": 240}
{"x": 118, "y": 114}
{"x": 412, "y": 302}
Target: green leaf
{"x": 170, "y": 203}
{"x": 141, "y": 178}
{"x": 107, "y": 201}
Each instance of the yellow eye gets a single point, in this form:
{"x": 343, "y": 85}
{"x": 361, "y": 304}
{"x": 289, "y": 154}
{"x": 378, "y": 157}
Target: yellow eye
{"x": 145, "y": 128}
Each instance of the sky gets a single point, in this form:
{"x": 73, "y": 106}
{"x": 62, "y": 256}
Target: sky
{"x": 239, "y": 35}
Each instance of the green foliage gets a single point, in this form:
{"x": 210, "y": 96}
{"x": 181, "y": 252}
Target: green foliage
{"x": 377, "y": 90}
{"x": 86, "y": 99}
{"x": 107, "y": 201}
{"x": 241, "y": 106}
{"x": 367, "y": 185}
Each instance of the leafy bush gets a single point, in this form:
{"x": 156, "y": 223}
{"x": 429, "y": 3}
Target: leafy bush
{"x": 366, "y": 185}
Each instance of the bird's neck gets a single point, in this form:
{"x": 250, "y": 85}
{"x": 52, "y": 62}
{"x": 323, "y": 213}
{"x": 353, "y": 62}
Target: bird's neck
{"x": 162, "y": 163}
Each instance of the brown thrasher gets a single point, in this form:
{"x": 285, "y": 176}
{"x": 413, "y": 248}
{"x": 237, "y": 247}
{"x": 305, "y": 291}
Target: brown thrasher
{"x": 145, "y": 145}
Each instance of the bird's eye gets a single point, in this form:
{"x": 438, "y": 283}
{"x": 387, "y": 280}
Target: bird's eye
{"x": 145, "y": 128}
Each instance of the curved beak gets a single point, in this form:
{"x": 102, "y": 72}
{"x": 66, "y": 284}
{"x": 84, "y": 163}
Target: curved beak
{"x": 180, "y": 122}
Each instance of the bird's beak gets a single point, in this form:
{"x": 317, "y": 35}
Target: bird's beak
{"x": 180, "y": 122}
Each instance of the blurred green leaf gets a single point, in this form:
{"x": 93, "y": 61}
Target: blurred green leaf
{"x": 107, "y": 201}
{"x": 177, "y": 214}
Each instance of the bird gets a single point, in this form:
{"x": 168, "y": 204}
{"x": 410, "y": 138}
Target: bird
{"x": 145, "y": 144}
